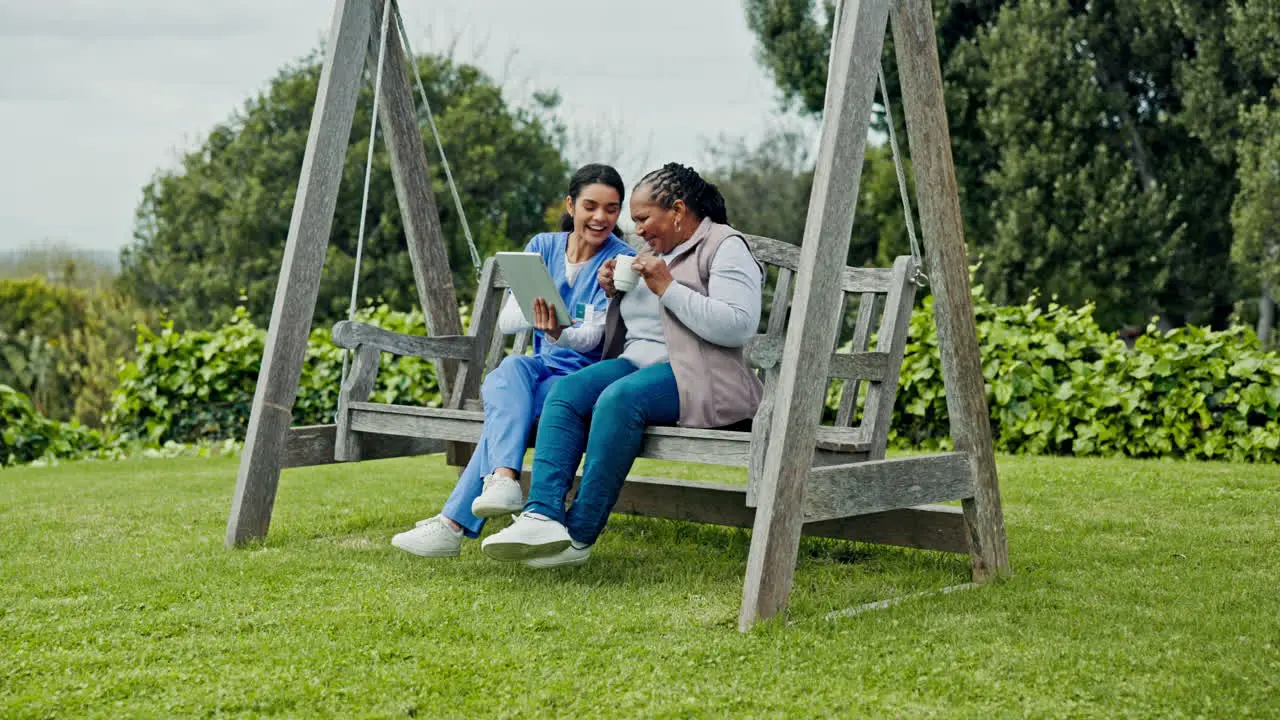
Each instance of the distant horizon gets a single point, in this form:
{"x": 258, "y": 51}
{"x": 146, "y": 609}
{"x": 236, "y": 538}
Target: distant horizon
{"x": 103, "y": 257}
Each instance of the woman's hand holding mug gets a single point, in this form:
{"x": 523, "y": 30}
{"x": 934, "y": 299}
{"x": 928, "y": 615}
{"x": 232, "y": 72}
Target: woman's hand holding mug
{"x": 655, "y": 272}
{"x": 604, "y": 276}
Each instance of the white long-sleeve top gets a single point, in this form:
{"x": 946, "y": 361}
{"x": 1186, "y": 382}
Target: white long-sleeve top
{"x": 581, "y": 338}
{"x": 727, "y": 315}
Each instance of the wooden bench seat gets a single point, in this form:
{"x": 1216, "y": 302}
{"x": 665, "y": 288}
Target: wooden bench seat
{"x": 850, "y": 477}
{"x": 717, "y": 447}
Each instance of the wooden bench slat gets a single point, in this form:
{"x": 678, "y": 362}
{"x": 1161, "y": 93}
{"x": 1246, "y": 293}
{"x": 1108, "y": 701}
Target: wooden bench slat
{"x": 498, "y": 281}
{"x": 309, "y": 445}
{"x": 873, "y": 366}
{"x": 852, "y": 280}
{"x": 357, "y": 388}
{"x": 931, "y": 527}
{"x": 442, "y": 427}
{"x": 698, "y": 433}
{"x": 351, "y": 333}
{"x": 840, "y": 439}
{"x": 495, "y": 354}
{"x": 418, "y": 410}
{"x": 714, "y": 447}
{"x": 763, "y": 352}
{"x": 523, "y": 341}
{"x": 838, "y": 491}
{"x": 861, "y": 339}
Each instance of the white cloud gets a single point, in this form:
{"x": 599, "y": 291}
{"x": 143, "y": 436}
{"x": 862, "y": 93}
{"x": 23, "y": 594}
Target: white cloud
{"x": 96, "y": 96}
{"x": 142, "y": 19}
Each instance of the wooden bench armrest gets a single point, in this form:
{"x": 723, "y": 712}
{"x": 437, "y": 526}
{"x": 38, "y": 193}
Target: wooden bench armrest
{"x": 351, "y": 334}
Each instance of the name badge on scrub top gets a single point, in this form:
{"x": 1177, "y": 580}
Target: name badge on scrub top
{"x": 585, "y": 313}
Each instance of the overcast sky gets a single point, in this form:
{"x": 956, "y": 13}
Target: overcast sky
{"x": 95, "y": 95}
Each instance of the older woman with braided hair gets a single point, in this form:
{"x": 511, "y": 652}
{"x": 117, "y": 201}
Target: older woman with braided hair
{"x": 673, "y": 355}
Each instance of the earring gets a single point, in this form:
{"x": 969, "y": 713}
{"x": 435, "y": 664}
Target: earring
{"x": 677, "y": 224}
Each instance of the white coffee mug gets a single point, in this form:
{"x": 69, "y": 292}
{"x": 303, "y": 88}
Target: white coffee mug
{"x": 624, "y": 276}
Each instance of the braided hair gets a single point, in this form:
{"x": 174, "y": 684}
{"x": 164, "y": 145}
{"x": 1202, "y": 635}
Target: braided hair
{"x": 674, "y": 181}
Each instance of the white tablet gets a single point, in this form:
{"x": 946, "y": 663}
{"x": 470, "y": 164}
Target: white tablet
{"x": 529, "y": 279}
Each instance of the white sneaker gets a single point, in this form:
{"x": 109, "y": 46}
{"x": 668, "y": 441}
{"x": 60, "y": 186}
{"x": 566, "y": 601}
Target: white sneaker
{"x": 501, "y": 496}
{"x": 530, "y": 536}
{"x": 433, "y": 538}
{"x": 572, "y": 555}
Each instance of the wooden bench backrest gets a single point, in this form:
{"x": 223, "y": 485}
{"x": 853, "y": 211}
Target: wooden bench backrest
{"x": 880, "y": 298}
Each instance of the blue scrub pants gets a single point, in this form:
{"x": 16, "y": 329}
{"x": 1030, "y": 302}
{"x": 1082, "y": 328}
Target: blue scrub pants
{"x": 513, "y": 396}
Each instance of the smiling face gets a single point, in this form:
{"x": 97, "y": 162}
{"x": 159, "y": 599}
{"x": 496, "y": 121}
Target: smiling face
{"x": 595, "y": 213}
{"x": 654, "y": 223}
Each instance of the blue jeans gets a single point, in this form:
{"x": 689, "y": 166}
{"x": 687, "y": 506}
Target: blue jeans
{"x": 513, "y": 395}
{"x": 615, "y": 401}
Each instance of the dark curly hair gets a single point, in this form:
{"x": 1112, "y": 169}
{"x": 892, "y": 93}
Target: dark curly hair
{"x": 592, "y": 174}
{"x": 674, "y": 181}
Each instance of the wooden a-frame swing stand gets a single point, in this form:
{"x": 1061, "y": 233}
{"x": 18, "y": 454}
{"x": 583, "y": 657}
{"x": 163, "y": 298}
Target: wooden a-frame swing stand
{"x": 804, "y": 478}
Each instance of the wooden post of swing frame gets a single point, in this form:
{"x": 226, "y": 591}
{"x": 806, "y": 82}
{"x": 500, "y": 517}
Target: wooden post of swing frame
{"x": 802, "y": 382}
{"x": 398, "y": 117}
{"x": 353, "y": 35}
{"x": 775, "y": 537}
{"x": 942, "y": 231}
{"x": 410, "y": 173}
{"x": 299, "y": 284}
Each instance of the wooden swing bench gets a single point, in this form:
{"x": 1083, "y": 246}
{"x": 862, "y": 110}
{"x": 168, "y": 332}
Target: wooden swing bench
{"x": 803, "y": 477}
{"x": 853, "y": 491}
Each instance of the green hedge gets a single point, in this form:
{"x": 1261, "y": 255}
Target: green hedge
{"x": 198, "y": 385}
{"x": 26, "y": 435}
{"x": 1058, "y": 384}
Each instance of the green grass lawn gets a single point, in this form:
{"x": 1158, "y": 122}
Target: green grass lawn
{"x": 1140, "y": 589}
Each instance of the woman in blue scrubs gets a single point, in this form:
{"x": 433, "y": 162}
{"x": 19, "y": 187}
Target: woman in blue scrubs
{"x": 514, "y": 392}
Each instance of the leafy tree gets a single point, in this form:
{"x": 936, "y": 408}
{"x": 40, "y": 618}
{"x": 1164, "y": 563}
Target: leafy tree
{"x": 61, "y": 346}
{"x": 210, "y": 234}
{"x": 1094, "y": 141}
{"x": 1256, "y": 211}
{"x": 766, "y": 189}
{"x": 794, "y": 44}
{"x": 767, "y": 186}
{"x": 1072, "y": 216}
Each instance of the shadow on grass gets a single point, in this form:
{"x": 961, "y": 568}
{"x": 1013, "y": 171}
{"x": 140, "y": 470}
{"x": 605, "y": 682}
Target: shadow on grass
{"x": 637, "y": 554}
{"x": 355, "y": 517}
